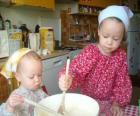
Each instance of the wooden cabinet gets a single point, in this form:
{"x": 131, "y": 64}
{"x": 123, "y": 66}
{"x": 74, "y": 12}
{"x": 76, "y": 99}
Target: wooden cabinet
{"x": 79, "y": 32}
{"x": 99, "y": 3}
{"x": 4, "y": 89}
{"x": 78, "y": 26}
{"x": 93, "y": 7}
{"x": 50, "y": 4}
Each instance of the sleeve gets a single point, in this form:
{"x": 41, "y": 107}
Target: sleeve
{"x": 80, "y": 66}
{"x": 4, "y": 112}
{"x": 122, "y": 90}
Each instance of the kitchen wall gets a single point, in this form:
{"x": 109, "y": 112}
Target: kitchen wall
{"x": 32, "y": 16}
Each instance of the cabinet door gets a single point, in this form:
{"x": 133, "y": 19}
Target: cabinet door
{"x": 4, "y": 90}
{"x": 47, "y": 3}
{"x": 50, "y": 4}
{"x": 17, "y": 2}
{"x": 51, "y": 68}
{"x": 99, "y": 3}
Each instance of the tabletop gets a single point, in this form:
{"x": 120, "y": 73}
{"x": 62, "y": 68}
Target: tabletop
{"x": 131, "y": 110}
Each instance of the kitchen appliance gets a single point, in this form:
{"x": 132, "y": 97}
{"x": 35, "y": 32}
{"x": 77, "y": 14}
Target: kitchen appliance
{"x": 133, "y": 49}
{"x": 47, "y": 38}
{"x": 4, "y": 44}
{"x": 76, "y": 105}
{"x": 51, "y": 68}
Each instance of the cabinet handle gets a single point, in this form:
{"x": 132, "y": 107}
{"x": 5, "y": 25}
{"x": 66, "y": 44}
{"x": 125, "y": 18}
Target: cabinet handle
{"x": 57, "y": 63}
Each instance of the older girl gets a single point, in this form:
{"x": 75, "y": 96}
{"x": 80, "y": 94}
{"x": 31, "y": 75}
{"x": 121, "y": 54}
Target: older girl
{"x": 100, "y": 70}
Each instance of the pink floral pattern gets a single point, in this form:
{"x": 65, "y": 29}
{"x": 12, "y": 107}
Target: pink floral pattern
{"x": 101, "y": 77}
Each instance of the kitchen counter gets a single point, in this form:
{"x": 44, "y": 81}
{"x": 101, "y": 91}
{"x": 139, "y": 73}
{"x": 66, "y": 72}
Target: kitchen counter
{"x": 48, "y": 56}
{"x": 55, "y": 54}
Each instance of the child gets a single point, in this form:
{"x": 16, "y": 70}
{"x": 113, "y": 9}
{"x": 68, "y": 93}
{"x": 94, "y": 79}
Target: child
{"x": 27, "y": 68}
{"x": 100, "y": 70}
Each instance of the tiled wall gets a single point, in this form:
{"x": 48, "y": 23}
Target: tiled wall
{"x": 67, "y": 19}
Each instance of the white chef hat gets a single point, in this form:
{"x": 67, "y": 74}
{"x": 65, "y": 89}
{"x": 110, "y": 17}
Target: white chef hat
{"x": 121, "y": 12}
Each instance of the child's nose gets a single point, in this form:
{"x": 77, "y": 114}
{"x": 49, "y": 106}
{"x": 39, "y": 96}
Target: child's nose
{"x": 37, "y": 78}
{"x": 109, "y": 41}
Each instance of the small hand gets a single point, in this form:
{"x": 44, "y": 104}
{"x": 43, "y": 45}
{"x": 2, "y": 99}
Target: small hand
{"x": 116, "y": 110}
{"x": 65, "y": 83}
{"x": 13, "y": 101}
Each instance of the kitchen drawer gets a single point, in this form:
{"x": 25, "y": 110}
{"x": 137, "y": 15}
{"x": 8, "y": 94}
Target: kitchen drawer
{"x": 54, "y": 62}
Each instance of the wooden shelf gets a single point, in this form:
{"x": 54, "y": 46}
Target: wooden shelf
{"x": 99, "y": 3}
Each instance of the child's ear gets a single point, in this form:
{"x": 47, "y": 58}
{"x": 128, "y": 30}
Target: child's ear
{"x": 16, "y": 75}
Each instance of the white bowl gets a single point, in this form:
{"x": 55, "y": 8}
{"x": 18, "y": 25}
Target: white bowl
{"x": 75, "y": 105}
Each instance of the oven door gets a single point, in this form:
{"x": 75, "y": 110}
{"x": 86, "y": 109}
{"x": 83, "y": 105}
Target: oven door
{"x": 4, "y": 45}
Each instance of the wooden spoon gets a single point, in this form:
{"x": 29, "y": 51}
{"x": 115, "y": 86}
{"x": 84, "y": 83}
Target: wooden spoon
{"x": 62, "y": 105}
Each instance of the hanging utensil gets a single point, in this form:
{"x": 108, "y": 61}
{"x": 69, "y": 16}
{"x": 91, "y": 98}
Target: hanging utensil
{"x": 62, "y": 105}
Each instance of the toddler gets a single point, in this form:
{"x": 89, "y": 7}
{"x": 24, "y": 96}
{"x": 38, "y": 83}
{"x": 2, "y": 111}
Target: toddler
{"x": 26, "y": 66}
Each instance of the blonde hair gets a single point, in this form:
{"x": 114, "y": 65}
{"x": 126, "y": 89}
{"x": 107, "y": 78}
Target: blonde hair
{"x": 31, "y": 55}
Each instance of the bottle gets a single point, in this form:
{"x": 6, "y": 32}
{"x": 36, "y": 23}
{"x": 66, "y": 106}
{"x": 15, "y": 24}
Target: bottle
{"x": 1, "y": 23}
{"x": 37, "y": 28}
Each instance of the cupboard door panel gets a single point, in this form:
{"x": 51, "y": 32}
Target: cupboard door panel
{"x": 99, "y": 3}
{"x": 4, "y": 90}
{"x": 50, "y": 4}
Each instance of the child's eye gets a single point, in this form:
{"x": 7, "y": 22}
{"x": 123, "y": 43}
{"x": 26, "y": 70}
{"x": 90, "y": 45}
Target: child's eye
{"x": 105, "y": 36}
{"x": 39, "y": 75}
{"x": 31, "y": 77}
{"x": 116, "y": 39}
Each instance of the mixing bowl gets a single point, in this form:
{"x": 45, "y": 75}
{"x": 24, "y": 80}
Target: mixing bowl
{"x": 75, "y": 105}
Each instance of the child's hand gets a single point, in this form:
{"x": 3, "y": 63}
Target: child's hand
{"x": 13, "y": 101}
{"x": 65, "y": 83}
{"x": 116, "y": 110}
